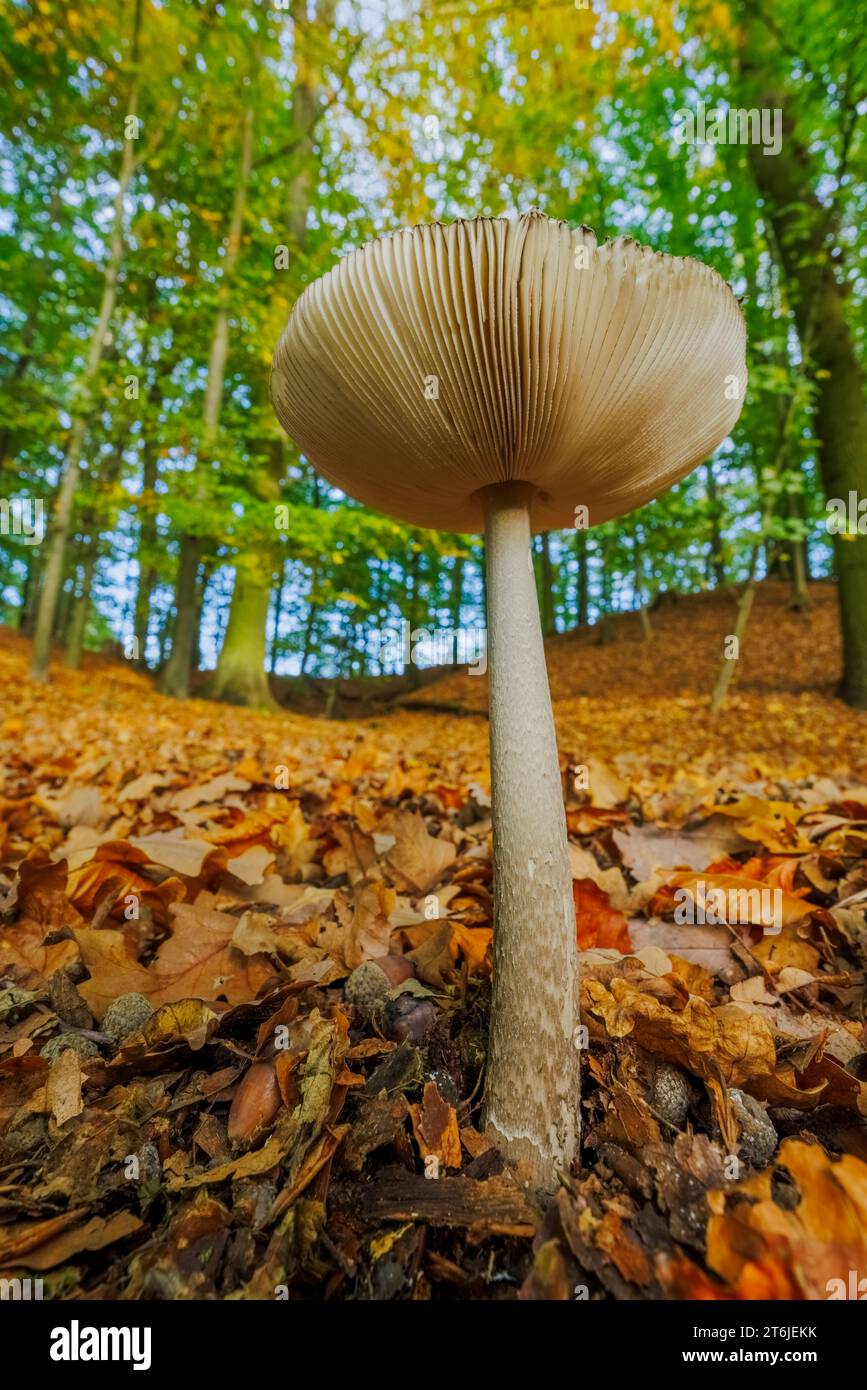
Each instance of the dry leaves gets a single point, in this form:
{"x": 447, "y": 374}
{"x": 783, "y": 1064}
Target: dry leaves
{"x": 154, "y": 852}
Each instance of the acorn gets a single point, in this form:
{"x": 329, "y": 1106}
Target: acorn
{"x": 83, "y": 1046}
{"x": 128, "y": 1014}
{"x": 757, "y": 1141}
{"x": 150, "y": 1166}
{"x": 371, "y": 981}
{"x": 671, "y": 1093}
{"x": 407, "y": 1017}
{"x": 395, "y": 968}
{"x": 254, "y": 1106}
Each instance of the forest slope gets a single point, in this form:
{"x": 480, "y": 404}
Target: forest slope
{"x": 183, "y": 882}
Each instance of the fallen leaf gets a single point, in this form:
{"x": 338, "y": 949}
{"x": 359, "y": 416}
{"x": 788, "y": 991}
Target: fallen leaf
{"x": 435, "y": 1126}
{"x": 63, "y": 1086}
{"x": 417, "y": 860}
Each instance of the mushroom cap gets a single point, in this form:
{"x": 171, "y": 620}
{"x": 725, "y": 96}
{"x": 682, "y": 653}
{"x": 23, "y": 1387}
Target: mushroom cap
{"x": 443, "y": 359}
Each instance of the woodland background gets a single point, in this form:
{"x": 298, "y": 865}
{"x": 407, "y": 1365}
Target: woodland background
{"x": 144, "y": 282}
{"x": 184, "y": 881}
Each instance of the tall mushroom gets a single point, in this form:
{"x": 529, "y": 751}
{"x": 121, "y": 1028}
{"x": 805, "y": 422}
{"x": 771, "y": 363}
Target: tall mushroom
{"x": 500, "y": 375}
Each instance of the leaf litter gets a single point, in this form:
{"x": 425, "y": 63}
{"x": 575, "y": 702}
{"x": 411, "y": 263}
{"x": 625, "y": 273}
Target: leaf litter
{"x": 244, "y": 988}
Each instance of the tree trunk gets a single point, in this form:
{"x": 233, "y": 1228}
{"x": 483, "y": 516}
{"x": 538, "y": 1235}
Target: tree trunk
{"x": 176, "y": 681}
{"x": 716, "y": 570}
{"x": 456, "y": 595}
{"x": 310, "y": 628}
{"x": 62, "y": 612}
{"x": 176, "y": 673}
{"x": 306, "y": 97}
{"x": 81, "y": 608}
{"x": 278, "y": 615}
{"x": 546, "y": 586}
{"x": 532, "y": 1088}
{"x": 729, "y": 665}
{"x": 61, "y": 521}
{"x": 240, "y": 677}
{"x": 582, "y": 596}
{"x": 643, "y": 613}
{"x": 745, "y": 604}
{"x": 605, "y": 623}
{"x": 802, "y": 229}
{"x": 800, "y": 573}
{"x": 414, "y": 609}
{"x": 147, "y": 536}
{"x": 30, "y": 592}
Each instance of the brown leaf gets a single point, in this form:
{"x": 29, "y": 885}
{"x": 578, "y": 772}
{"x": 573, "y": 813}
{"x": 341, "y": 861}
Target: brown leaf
{"x": 435, "y": 1126}
{"x": 113, "y": 969}
{"x": 96, "y": 1234}
{"x": 63, "y": 1086}
{"x": 417, "y": 860}
{"x": 724, "y": 1042}
{"x": 253, "y": 934}
{"x": 199, "y": 962}
{"x": 215, "y": 790}
{"x": 252, "y": 866}
{"x": 802, "y": 1248}
{"x": 354, "y": 856}
{"x": 597, "y": 922}
{"x": 187, "y": 1021}
{"x": 171, "y": 850}
{"x": 369, "y": 931}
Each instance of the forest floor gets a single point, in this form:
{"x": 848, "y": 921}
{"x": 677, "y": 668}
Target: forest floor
{"x": 207, "y": 1089}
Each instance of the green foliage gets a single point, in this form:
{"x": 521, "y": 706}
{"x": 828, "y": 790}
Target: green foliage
{"x": 455, "y": 109}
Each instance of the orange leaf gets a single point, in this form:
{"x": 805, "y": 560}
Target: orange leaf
{"x": 598, "y": 923}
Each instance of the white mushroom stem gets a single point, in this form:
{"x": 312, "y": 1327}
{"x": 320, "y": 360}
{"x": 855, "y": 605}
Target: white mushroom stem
{"x": 533, "y": 1080}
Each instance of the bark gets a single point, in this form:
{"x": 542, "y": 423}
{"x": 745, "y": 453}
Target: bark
{"x": 745, "y": 603}
{"x": 147, "y": 535}
{"x": 643, "y": 613}
{"x": 61, "y": 521}
{"x": 533, "y": 1079}
{"x": 81, "y": 608}
{"x": 605, "y": 624}
{"x": 240, "y": 677}
{"x": 310, "y": 628}
{"x": 716, "y": 570}
{"x": 803, "y": 231}
{"x": 176, "y": 677}
{"x": 245, "y": 639}
{"x": 546, "y": 586}
{"x": 147, "y": 576}
{"x": 582, "y": 596}
{"x": 729, "y": 665}
{"x": 28, "y": 332}
{"x": 415, "y": 609}
{"x": 800, "y": 569}
{"x": 278, "y": 615}
{"x": 176, "y": 673}
{"x": 62, "y": 611}
{"x": 456, "y": 595}
{"x": 306, "y": 105}
{"x": 30, "y": 593}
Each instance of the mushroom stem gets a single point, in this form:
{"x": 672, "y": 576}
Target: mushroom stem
{"x": 533, "y": 1081}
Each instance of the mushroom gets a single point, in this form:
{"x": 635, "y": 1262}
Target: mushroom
{"x": 504, "y": 374}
